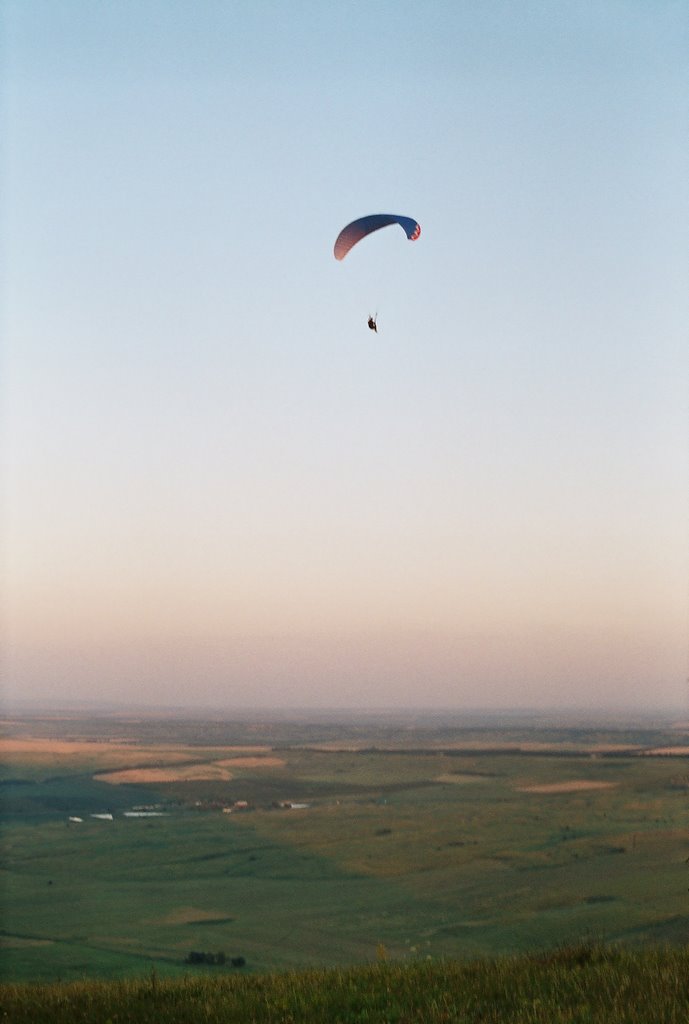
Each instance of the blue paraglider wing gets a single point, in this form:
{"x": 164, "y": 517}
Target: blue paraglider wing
{"x": 358, "y": 229}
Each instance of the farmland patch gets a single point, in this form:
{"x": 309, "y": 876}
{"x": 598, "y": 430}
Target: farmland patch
{"x": 201, "y": 771}
{"x": 571, "y": 786}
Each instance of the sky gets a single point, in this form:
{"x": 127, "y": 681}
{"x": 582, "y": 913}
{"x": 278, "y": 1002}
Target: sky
{"x": 220, "y": 489}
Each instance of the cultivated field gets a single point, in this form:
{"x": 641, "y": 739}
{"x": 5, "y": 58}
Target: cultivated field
{"x": 305, "y": 844}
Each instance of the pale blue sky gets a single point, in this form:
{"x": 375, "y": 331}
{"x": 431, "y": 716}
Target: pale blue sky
{"x": 221, "y": 487}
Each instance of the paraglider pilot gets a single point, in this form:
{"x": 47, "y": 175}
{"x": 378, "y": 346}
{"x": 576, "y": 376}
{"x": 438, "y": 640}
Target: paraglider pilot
{"x": 372, "y": 324}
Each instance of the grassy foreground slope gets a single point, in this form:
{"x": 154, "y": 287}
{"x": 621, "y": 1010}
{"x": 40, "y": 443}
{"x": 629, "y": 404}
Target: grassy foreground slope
{"x": 583, "y": 984}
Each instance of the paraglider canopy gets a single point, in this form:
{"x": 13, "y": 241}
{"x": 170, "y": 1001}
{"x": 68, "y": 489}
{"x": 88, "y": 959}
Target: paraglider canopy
{"x": 358, "y": 229}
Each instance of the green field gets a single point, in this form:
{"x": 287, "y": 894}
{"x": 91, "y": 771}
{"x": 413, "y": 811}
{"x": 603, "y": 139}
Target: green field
{"x": 417, "y": 844}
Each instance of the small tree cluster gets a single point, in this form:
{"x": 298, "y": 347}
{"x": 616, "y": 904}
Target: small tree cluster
{"x": 205, "y": 958}
{"x": 214, "y": 959}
